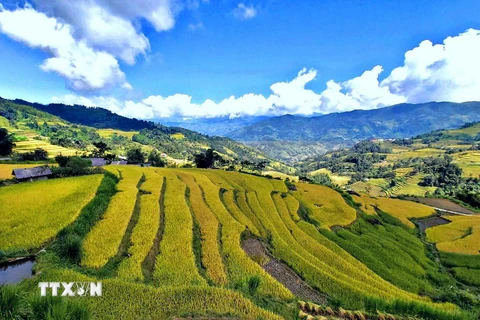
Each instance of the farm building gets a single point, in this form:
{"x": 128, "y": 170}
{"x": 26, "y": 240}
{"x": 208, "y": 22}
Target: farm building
{"x": 97, "y": 162}
{"x": 119, "y": 163}
{"x": 32, "y": 174}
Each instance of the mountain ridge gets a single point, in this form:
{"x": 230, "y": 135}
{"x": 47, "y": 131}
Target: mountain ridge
{"x": 398, "y": 121}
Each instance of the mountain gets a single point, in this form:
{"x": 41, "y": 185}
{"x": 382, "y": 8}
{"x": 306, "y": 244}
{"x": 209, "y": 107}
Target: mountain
{"x": 76, "y": 128}
{"x": 444, "y": 162}
{"x": 399, "y": 121}
{"x": 93, "y": 117}
{"x": 292, "y": 138}
{"x": 220, "y": 126}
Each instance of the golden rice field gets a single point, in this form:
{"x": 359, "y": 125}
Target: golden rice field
{"x": 107, "y": 133}
{"x": 177, "y": 237}
{"x": 462, "y": 235}
{"x": 400, "y": 209}
{"x": 336, "y": 179}
{"x": 412, "y": 188}
{"x": 420, "y": 153}
{"x": 327, "y": 206}
{"x": 102, "y": 243}
{"x": 33, "y": 213}
{"x": 280, "y": 175}
{"x": 469, "y": 161}
{"x": 31, "y": 144}
{"x": 177, "y": 136}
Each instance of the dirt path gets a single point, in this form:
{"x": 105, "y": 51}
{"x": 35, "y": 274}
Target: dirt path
{"x": 443, "y": 205}
{"x": 282, "y": 272}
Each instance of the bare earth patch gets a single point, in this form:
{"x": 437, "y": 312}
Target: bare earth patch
{"x": 443, "y": 204}
{"x": 282, "y": 272}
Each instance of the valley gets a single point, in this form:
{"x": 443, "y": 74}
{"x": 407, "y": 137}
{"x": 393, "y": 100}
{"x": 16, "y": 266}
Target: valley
{"x": 204, "y": 227}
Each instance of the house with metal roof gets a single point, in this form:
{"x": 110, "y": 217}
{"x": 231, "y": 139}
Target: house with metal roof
{"x": 32, "y": 174}
{"x": 97, "y": 162}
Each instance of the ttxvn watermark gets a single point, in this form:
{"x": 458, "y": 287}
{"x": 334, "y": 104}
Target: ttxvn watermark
{"x": 71, "y": 289}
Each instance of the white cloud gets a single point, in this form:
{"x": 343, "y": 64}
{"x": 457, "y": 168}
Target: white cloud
{"x": 98, "y": 27}
{"x": 287, "y": 97}
{"x": 441, "y": 72}
{"x": 83, "y": 67}
{"x": 85, "y": 37}
{"x": 244, "y": 12}
{"x": 195, "y": 26}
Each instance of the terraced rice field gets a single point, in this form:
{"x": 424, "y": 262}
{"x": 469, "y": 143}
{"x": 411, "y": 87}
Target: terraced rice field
{"x": 327, "y": 206}
{"x": 336, "y": 179}
{"x": 33, "y": 213}
{"x": 31, "y": 144}
{"x": 171, "y": 238}
{"x": 411, "y": 187}
{"x": 107, "y": 133}
{"x": 469, "y": 161}
{"x": 400, "y": 209}
{"x": 280, "y": 175}
{"x": 420, "y": 153}
{"x": 462, "y": 235}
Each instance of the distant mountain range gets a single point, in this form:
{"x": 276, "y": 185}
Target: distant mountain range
{"x": 399, "y": 121}
{"x": 294, "y": 138}
{"x": 221, "y": 126}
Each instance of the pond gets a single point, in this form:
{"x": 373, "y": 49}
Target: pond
{"x": 16, "y": 271}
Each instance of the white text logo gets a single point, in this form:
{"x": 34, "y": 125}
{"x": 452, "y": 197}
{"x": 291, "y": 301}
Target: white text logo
{"x": 71, "y": 289}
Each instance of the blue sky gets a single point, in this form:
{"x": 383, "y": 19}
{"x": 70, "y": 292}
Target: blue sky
{"x": 196, "y": 51}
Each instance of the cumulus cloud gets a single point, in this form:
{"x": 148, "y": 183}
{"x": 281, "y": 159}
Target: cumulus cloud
{"x": 83, "y": 67}
{"x": 441, "y": 72}
{"x": 430, "y": 72}
{"x": 244, "y": 12}
{"x": 86, "y": 37}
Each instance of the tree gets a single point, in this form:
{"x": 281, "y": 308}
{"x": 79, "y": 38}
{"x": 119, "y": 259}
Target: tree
{"x": 38, "y": 154}
{"x": 6, "y": 142}
{"x": 206, "y": 160}
{"x": 62, "y": 160}
{"x": 102, "y": 147}
{"x": 135, "y": 156}
{"x": 155, "y": 159}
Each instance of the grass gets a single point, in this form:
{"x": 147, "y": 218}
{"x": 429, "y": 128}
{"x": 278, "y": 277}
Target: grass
{"x": 32, "y": 213}
{"x": 462, "y": 235}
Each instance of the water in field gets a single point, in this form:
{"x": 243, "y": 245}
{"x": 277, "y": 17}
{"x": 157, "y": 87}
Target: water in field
{"x": 16, "y": 271}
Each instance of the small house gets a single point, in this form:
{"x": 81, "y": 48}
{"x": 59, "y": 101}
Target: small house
{"x": 97, "y": 162}
{"x": 32, "y": 174}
